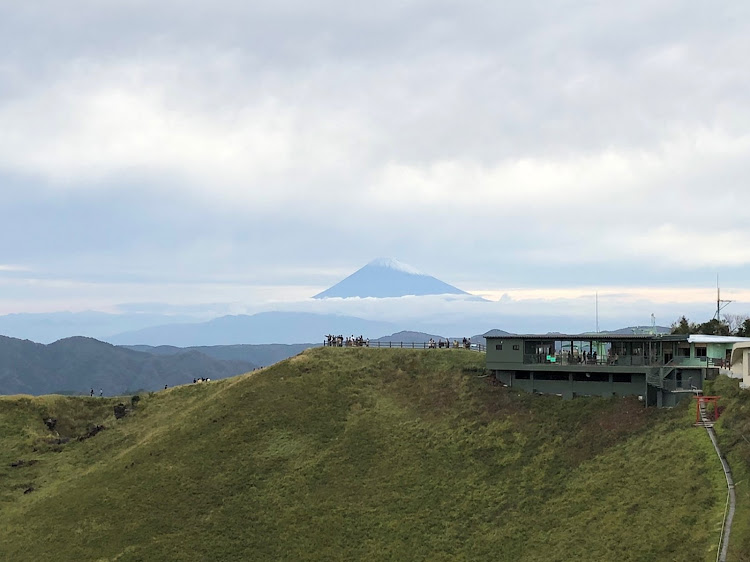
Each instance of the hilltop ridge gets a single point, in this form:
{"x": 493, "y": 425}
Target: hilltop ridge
{"x": 355, "y": 453}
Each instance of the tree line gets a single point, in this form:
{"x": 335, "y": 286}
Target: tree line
{"x": 728, "y": 325}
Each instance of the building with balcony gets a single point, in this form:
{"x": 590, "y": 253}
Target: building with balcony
{"x": 660, "y": 369}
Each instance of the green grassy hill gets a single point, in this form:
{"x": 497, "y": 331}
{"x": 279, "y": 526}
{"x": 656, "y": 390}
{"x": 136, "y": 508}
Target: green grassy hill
{"x": 356, "y": 454}
{"x": 733, "y": 431}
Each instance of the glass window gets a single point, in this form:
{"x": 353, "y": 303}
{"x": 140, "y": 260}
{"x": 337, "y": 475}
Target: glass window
{"x": 591, "y": 377}
{"x": 551, "y": 377}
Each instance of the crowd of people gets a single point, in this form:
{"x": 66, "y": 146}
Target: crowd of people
{"x": 341, "y": 341}
{"x": 440, "y": 344}
{"x": 352, "y": 341}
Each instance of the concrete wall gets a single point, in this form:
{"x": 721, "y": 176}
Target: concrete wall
{"x": 505, "y": 355}
{"x": 741, "y": 362}
{"x": 713, "y": 350}
{"x": 570, "y": 388}
{"x": 669, "y": 399}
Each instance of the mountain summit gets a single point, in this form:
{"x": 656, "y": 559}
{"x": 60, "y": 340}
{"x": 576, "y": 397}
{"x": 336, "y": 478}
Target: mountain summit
{"x": 386, "y": 277}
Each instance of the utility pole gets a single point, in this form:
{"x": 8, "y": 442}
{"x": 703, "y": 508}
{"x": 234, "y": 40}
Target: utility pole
{"x": 720, "y": 304}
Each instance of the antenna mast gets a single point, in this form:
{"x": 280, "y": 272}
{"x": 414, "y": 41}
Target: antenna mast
{"x": 720, "y": 304}
{"x": 597, "y": 312}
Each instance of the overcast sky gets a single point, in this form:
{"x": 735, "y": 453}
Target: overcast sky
{"x": 255, "y": 153}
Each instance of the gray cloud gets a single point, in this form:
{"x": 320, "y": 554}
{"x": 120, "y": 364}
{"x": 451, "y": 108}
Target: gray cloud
{"x": 495, "y": 145}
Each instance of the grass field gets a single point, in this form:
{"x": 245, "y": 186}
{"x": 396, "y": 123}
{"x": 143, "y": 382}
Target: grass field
{"x": 733, "y": 431}
{"x": 356, "y": 454}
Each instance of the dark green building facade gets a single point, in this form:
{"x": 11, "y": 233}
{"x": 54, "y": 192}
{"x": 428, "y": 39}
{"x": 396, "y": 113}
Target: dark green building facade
{"x": 660, "y": 369}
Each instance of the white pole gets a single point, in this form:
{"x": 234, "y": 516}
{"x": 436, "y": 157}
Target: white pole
{"x": 597, "y": 312}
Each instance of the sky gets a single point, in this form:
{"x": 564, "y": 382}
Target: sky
{"x": 232, "y": 156}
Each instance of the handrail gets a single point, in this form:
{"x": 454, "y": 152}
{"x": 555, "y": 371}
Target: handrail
{"x": 723, "y": 526}
{"x": 726, "y": 525}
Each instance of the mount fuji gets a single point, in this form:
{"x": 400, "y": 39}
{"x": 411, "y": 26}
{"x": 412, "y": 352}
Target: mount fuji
{"x": 386, "y": 277}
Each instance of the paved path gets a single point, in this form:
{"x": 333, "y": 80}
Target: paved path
{"x": 726, "y": 526}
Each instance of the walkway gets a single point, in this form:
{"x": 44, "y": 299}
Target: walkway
{"x": 726, "y": 526}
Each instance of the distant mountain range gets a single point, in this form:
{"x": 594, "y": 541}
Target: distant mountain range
{"x": 53, "y": 326}
{"x": 386, "y": 277}
{"x": 620, "y": 332}
{"x": 75, "y": 365}
{"x": 407, "y": 336}
{"x": 261, "y": 328}
{"x": 261, "y": 355}
{"x": 640, "y": 330}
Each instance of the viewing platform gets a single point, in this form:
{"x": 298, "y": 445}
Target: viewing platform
{"x": 661, "y": 369}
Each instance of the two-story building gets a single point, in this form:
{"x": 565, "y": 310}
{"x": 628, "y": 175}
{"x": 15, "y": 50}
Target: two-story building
{"x": 660, "y": 369}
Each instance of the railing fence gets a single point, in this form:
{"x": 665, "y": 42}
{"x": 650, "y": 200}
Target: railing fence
{"x": 409, "y": 345}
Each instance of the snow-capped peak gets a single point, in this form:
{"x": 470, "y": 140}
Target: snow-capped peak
{"x": 396, "y": 265}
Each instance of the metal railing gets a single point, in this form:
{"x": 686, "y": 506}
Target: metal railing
{"x": 620, "y": 361}
{"x": 566, "y": 359}
{"x": 409, "y": 345}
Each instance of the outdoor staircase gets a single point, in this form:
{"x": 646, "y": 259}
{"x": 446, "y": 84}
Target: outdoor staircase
{"x": 705, "y": 422}
{"x": 656, "y": 375}
{"x": 653, "y": 377}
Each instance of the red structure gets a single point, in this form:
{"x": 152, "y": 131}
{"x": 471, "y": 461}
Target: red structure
{"x": 703, "y": 401}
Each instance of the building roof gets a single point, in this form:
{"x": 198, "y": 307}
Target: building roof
{"x": 604, "y": 336}
{"x": 700, "y": 338}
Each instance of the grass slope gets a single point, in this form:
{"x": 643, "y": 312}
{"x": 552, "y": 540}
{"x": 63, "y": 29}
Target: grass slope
{"x": 357, "y": 454}
{"x": 733, "y": 431}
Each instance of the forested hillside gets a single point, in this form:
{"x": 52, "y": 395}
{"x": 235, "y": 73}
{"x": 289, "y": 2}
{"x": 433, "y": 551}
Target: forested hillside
{"x": 75, "y": 365}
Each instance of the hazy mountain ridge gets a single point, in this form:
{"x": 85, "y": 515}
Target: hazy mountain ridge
{"x": 639, "y": 330}
{"x": 78, "y": 364}
{"x": 263, "y": 328}
{"x": 53, "y": 326}
{"x": 261, "y": 355}
{"x": 407, "y": 336}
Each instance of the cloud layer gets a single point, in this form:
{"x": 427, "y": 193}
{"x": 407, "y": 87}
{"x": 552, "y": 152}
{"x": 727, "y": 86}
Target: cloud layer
{"x": 250, "y": 152}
